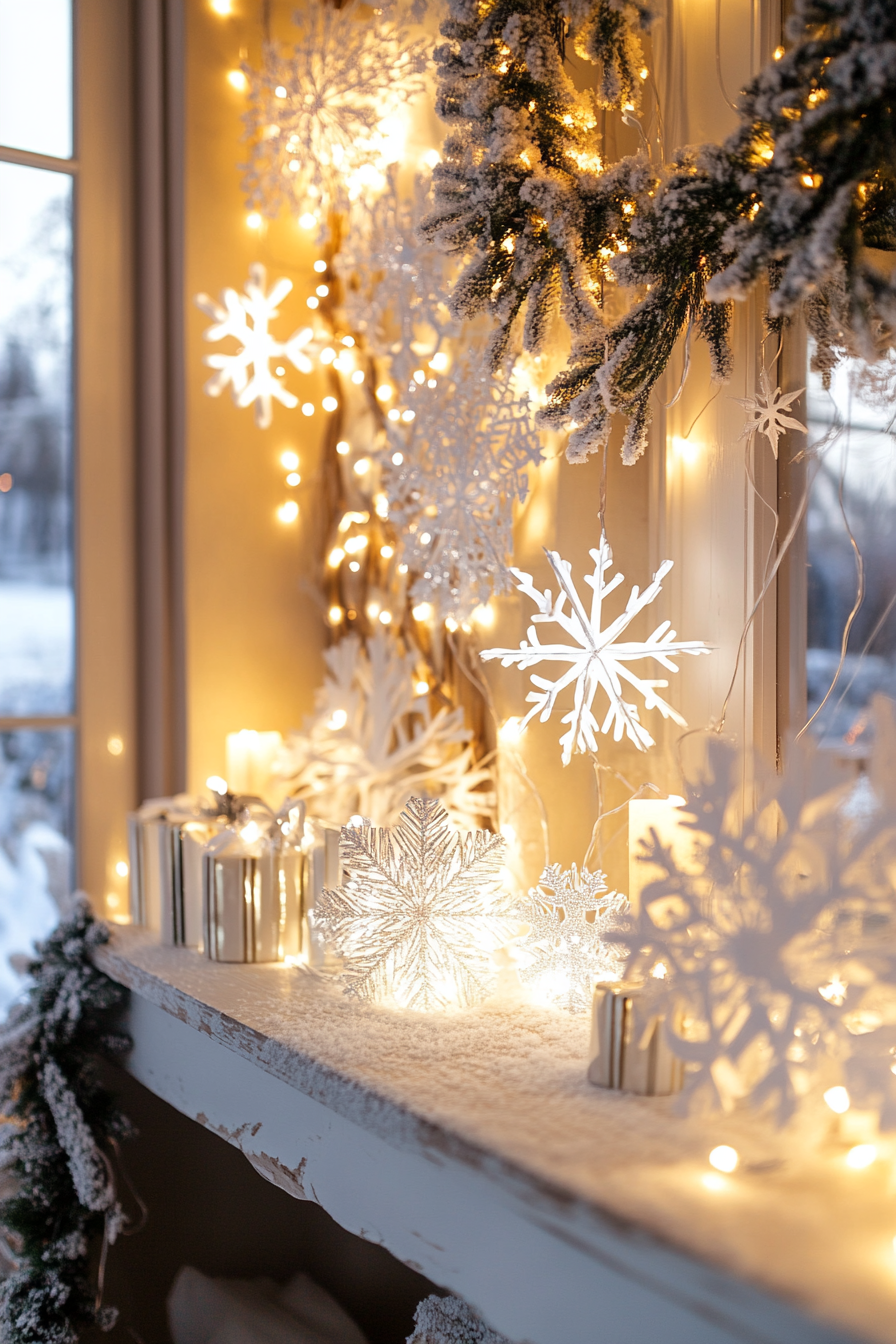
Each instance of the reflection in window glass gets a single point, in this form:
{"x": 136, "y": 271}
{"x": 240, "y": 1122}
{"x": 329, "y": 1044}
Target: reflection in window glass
{"x": 36, "y": 596}
{"x": 36, "y": 772}
{"x": 36, "y": 76}
{"x": 854, "y": 491}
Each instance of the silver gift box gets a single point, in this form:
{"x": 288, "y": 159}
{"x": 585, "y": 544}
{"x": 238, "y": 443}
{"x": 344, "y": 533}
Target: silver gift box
{"x": 630, "y": 1044}
{"x": 241, "y": 904}
{"x": 182, "y": 840}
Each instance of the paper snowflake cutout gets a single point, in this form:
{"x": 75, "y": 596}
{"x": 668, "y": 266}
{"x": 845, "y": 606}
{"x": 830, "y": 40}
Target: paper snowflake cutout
{"x": 325, "y": 119}
{"x": 775, "y": 961}
{"x": 464, "y": 460}
{"x": 598, "y": 658}
{"x": 569, "y": 914}
{"x": 246, "y": 317}
{"x": 769, "y": 411}
{"x": 421, "y": 912}
{"x": 374, "y": 741}
{"x": 395, "y": 284}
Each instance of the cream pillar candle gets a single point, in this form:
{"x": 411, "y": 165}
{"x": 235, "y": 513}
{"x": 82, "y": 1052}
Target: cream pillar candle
{"x": 666, "y": 817}
{"x": 250, "y": 758}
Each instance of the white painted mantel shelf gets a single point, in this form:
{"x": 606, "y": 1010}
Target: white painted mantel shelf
{"x": 472, "y": 1147}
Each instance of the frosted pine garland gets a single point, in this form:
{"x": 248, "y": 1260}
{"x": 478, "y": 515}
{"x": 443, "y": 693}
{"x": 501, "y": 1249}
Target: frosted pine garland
{"x": 60, "y": 1116}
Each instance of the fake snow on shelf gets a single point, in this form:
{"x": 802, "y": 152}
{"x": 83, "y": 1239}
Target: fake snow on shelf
{"x": 448, "y": 1320}
{"x": 768, "y": 412}
{"x": 463, "y": 463}
{"x": 773, "y": 957}
{"x": 246, "y": 317}
{"x": 421, "y": 912}
{"x": 373, "y": 741}
{"x": 598, "y": 657}
{"x": 569, "y": 915}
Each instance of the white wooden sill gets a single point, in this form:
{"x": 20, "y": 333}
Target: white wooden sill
{"x": 472, "y": 1147}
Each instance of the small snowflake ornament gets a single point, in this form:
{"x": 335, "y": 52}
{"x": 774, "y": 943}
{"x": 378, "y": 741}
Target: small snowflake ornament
{"x": 421, "y": 912}
{"x": 569, "y": 914}
{"x": 769, "y": 411}
{"x": 246, "y": 317}
{"x": 598, "y": 658}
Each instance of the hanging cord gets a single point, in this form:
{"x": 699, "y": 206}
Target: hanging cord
{"x": 869, "y": 641}
{"x": 860, "y": 590}
{"x": 733, "y": 106}
{"x": 686, "y": 369}
{"x": 128, "y": 1229}
{"x": 596, "y": 845}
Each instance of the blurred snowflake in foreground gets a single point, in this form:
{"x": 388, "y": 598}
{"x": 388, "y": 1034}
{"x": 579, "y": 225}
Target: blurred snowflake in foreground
{"x": 326, "y": 119}
{"x": 769, "y": 411}
{"x": 374, "y": 740}
{"x": 258, "y": 347}
{"x": 598, "y": 658}
{"x": 778, "y": 953}
{"x": 463, "y": 464}
{"x": 420, "y": 913}
{"x": 569, "y": 914}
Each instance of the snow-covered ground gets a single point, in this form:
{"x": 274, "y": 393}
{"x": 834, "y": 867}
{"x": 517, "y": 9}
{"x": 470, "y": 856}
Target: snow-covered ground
{"x": 37, "y": 625}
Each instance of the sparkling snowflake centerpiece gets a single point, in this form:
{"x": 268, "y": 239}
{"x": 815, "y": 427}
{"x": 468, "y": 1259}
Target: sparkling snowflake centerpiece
{"x": 569, "y": 914}
{"x": 598, "y": 658}
{"x": 421, "y": 912}
{"x": 768, "y": 411}
{"x": 246, "y": 317}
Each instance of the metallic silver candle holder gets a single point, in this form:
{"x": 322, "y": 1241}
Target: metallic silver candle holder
{"x": 630, "y": 1044}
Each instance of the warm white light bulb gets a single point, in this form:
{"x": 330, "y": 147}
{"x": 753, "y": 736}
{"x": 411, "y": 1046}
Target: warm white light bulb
{"x": 308, "y": 408}
{"x": 838, "y": 1100}
{"x": 288, "y": 512}
{"x": 422, "y": 611}
{"x": 343, "y": 448}
{"x": 511, "y": 730}
{"x": 724, "y": 1158}
{"x": 362, "y": 466}
{"x": 335, "y": 615}
{"x": 329, "y": 403}
{"x": 421, "y": 687}
{"x": 861, "y": 1156}
{"x": 338, "y": 719}
{"x": 289, "y": 460}
{"x": 307, "y": 221}
{"x": 237, "y": 80}
{"x": 253, "y": 220}
{"x": 216, "y": 784}
{"x": 320, "y": 267}
{"x": 384, "y": 392}
{"x": 397, "y": 459}
{"x": 439, "y": 362}
{"x": 336, "y": 557}
{"x": 121, "y": 868}
{"x": 385, "y": 618}
{"x": 387, "y": 552}
{"x": 358, "y": 377}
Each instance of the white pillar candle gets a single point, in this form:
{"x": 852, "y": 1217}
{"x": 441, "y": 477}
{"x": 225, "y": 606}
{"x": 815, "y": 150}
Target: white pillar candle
{"x": 666, "y": 817}
{"x": 250, "y": 759}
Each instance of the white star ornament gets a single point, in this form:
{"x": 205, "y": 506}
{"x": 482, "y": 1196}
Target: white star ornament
{"x": 768, "y": 409}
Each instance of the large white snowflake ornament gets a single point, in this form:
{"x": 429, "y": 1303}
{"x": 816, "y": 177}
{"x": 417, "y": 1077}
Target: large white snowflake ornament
{"x": 462, "y": 466}
{"x": 564, "y": 953}
{"x": 598, "y": 658}
{"x": 326, "y": 118}
{"x": 773, "y": 957}
{"x": 769, "y": 411}
{"x": 421, "y": 912}
{"x": 374, "y": 740}
{"x": 246, "y": 317}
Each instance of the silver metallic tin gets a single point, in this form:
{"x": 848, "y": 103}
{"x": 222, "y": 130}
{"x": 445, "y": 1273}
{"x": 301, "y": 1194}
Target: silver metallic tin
{"x": 630, "y": 1046}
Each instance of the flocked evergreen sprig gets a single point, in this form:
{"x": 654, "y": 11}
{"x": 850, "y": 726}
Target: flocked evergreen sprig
{"x": 794, "y": 195}
{"x": 59, "y": 1124}
{"x": 518, "y": 193}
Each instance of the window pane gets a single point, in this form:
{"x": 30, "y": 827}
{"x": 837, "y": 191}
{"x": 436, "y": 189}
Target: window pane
{"x": 36, "y": 596}
{"x": 36, "y": 773}
{"x": 36, "y": 76}
{"x": 853, "y": 426}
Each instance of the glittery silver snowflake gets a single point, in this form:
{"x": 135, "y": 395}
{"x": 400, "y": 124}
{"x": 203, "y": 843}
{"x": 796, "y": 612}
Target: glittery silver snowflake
{"x": 325, "y": 118}
{"x": 395, "y": 283}
{"x": 774, "y": 954}
{"x": 769, "y": 411}
{"x": 420, "y": 913}
{"x": 570, "y": 915}
{"x": 373, "y": 741}
{"x": 463, "y": 465}
{"x": 597, "y": 656}
{"x": 246, "y": 318}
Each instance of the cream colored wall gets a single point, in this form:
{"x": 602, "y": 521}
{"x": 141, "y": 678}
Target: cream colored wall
{"x": 254, "y": 628}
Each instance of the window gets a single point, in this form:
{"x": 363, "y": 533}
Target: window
{"x": 37, "y": 601}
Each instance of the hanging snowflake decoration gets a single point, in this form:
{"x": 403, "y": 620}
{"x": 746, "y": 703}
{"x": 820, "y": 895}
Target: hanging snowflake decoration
{"x": 598, "y": 658}
{"x": 246, "y": 318}
{"x": 374, "y": 740}
{"x": 326, "y": 119}
{"x": 421, "y": 912}
{"x": 463, "y": 461}
{"x": 769, "y": 411}
{"x": 569, "y": 915}
{"x": 775, "y": 961}
{"x": 395, "y": 283}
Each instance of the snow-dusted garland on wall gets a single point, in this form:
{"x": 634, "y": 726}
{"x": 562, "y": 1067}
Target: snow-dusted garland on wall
{"x": 795, "y": 195}
{"x": 60, "y": 1124}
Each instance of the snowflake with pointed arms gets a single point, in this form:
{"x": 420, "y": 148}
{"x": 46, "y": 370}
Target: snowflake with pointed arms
{"x": 464, "y": 460}
{"x": 420, "y": 913}
{"x": 769, "y": 411}
{"x": 323, "y": 117}
{"x": 257, "y": 346}
{"x": 777, "y": 945}
{"x": 569, "y": 914}
{"x": 374, "y": 740}
{"x": 598, "y": 658}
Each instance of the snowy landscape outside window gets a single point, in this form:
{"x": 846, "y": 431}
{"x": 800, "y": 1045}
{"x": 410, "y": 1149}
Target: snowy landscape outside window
{"x": 37, "y": 601}
{"x": 851, "y": 527}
